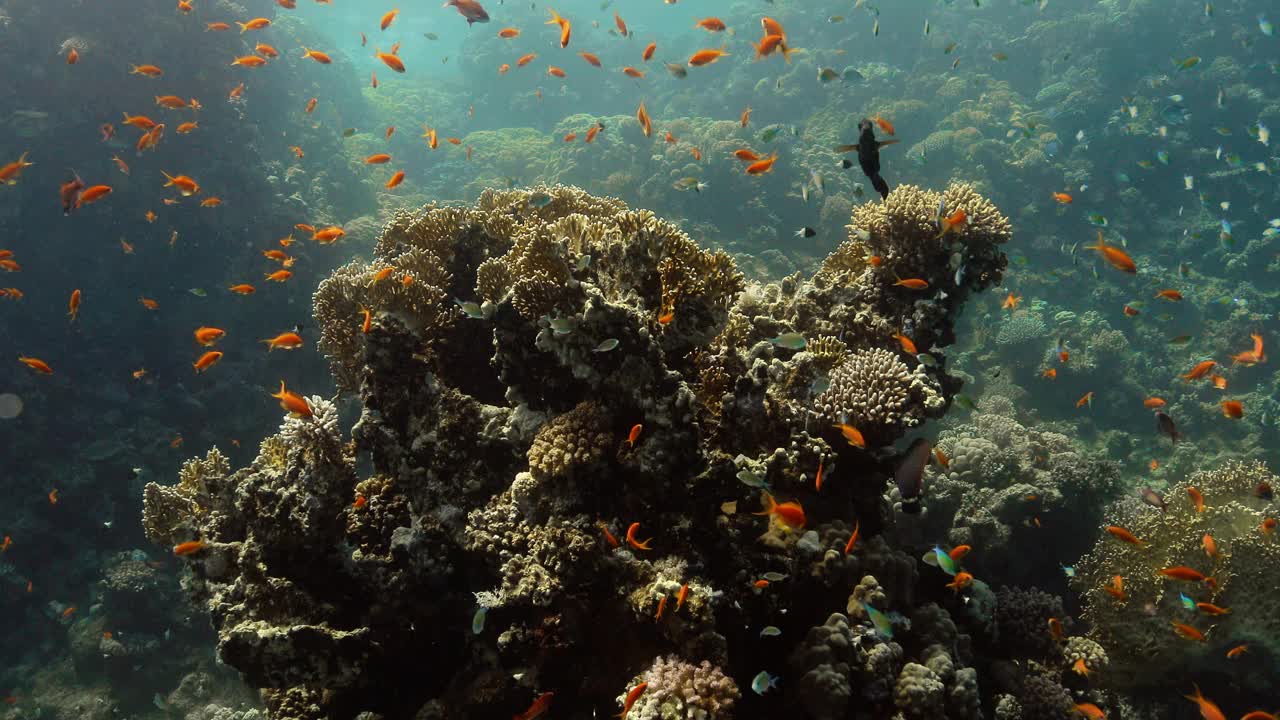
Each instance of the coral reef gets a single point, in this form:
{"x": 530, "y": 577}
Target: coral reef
{"x": 559, "y": 399}
{"x": 1136, "y": 630}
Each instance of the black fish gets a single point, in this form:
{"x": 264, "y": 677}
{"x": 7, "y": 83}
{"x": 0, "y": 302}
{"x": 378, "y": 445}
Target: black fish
{"x": 910, "y": 475}
{"x": 1165, "y": 425}
{"x": 868, "y": 148}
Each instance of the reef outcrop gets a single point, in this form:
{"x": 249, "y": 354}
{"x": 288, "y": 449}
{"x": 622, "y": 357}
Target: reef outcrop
{"x": 569, "y": 411}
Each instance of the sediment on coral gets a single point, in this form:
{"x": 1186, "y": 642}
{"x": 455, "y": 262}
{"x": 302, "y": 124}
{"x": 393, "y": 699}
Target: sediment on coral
{"x": 568, "y": 411}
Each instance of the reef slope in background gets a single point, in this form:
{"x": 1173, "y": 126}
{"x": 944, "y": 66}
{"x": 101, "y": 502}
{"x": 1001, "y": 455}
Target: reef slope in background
{"x": 613, "y": 372}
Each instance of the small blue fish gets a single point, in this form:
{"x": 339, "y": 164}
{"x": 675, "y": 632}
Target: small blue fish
{"x": 939, "y": 558}
{"x": 790, "y": 341}
{"x": 1187, "y": 603}
{"x": 1098, "y": 220}
{"x": 770, "y": 631}
{"x": 763, "y": 682}
{"x": 470, "y": 309}
{"x": 1163, "y": 156}
{"x": 1265, "y": 26}
{"x": 879, "y": 621}
{"x": 1068, "y": 570}
{"x": 477, "y": 620}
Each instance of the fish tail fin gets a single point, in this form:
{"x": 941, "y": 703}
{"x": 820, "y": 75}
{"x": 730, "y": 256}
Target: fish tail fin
{"x": 786, "y": 53}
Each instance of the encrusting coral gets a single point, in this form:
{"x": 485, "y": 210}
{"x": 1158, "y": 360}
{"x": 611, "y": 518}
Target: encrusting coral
{"x": 569, "y": 410}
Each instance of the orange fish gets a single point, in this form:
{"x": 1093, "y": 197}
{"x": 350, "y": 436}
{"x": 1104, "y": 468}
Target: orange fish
{"x": 250, "y": 61}
{"x": 1188, "y": 632}
{"x": 851, "y": 435}
{"x": 590, "y": 58}
{"x": 1119, "y": 259}
{"x": 608, "y": 536}
{"x": 388, "y": 18}
{"x": 1196, "y": 498}
{"x": 254, "y": 24}
{"x": 1267, "y": 527}
{"x": 593, "y": 131}
{"x": 631, "y": 538}
{"x": 745, "y": 155}
{"x": 186, "y": 128}
{"x": 1130, "y": 311}
{"x": 359, "y": 502}
{"x": 853, "y": 539}
{"x": 1055, "y": 629}
{"x": 680, "y": 596}
{"x": 378, "y": 159}
{"x": 1200, "y": 370}
{"x": 266, "y": 50}
{"x": 1153, "y": 402}
{"x": 142, "y": 122}
{"x": 554, "y": 71}
{"x": 763, "y": 165}
{"x": 542, "y": 703}
{"x": 742, "y": 121}
{"x": 236, "y": 92}
{"x": 368, "y": 320}
{"x": 1011, "y": 302}
{"x": 1208, "y": 710}
{"x": 395, "y": 180}
{"x": 4, "y": 547}
{"x": 642, "y": 116}
{"x": 565, "y": 28}
{"x": 959, "y": 552}
{"x": 207, "y": 360}
{"x": 311, "y": 105}
{"x": 508, "y": 33}
{"x": 147, "y": 70}
{"x": 662, "y": 605}
{"x": 634, "y": 435}
{"x": 1123, "y": 535}
{"x": 632, "y": 72}
{"x": 770, "y": 44}
{"x": 92, "y": 194}
{"x": 711, "y": 24}
{"x": 962, "y": 580}
{"x": 1091, "y": 711}
{"x": 771, "y": 26}
{"x": 1181, "y": 572}
{"x": 884, "y": 125}
{"x": 696, "y": 153}
{"x": 185, "y": 185}
{"x": 390, "y": 60}
{"x": 1211, "y": 609}
{"x": 1116, "y": 588}
{"x": 790, "y": 514}
{"x": 706, "y": 56}
{"x": 172, "y": 102}
{"x": 1051, "y": 373}
{"x": 297, "y": 151}
{"x": 73, "y": 305}
{"x": 148, "y": 303}
{"x": 1062, "y": 198}
{"x": 207, "y": 336}
{"x": 954, "y": 222}
{"x": 296, "y": 405}
{"x": 1233, "y": 409}
{"x": 210, "y": 202}
{"x": 284, "y": 341}
{"x": 1210, "y": 546}
{"x": 1258, "y": 715}
{"x": 1173, "y": 295}
{"x": 1237, "y": 651}
{"x": 941, "y": 457}
{"x": 648, "y": 51}
{"x": 1080, "y": 668}
{"x": 570, "y": 137}
{"x": 760, "y": 584}
{"x": 526, "y": 59}
{"x": 69, "y": 611}
{"x": 316, "y": 55}
{"x": 189, "y": 547}
{"x": 908, "y": 346}
{"x": 913, "y": 284}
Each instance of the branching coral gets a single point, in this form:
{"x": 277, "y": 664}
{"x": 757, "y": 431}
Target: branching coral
{"x": 679, "y": 689}
{"x": 1136, "y": 631}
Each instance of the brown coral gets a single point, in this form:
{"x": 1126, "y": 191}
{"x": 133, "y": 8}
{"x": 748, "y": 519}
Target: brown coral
{"x": 576, "y": 438}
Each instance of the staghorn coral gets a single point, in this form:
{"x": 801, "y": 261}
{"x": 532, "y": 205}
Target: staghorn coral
{"x": 1142, "y": 646}
{"x": 496, "y": 469}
